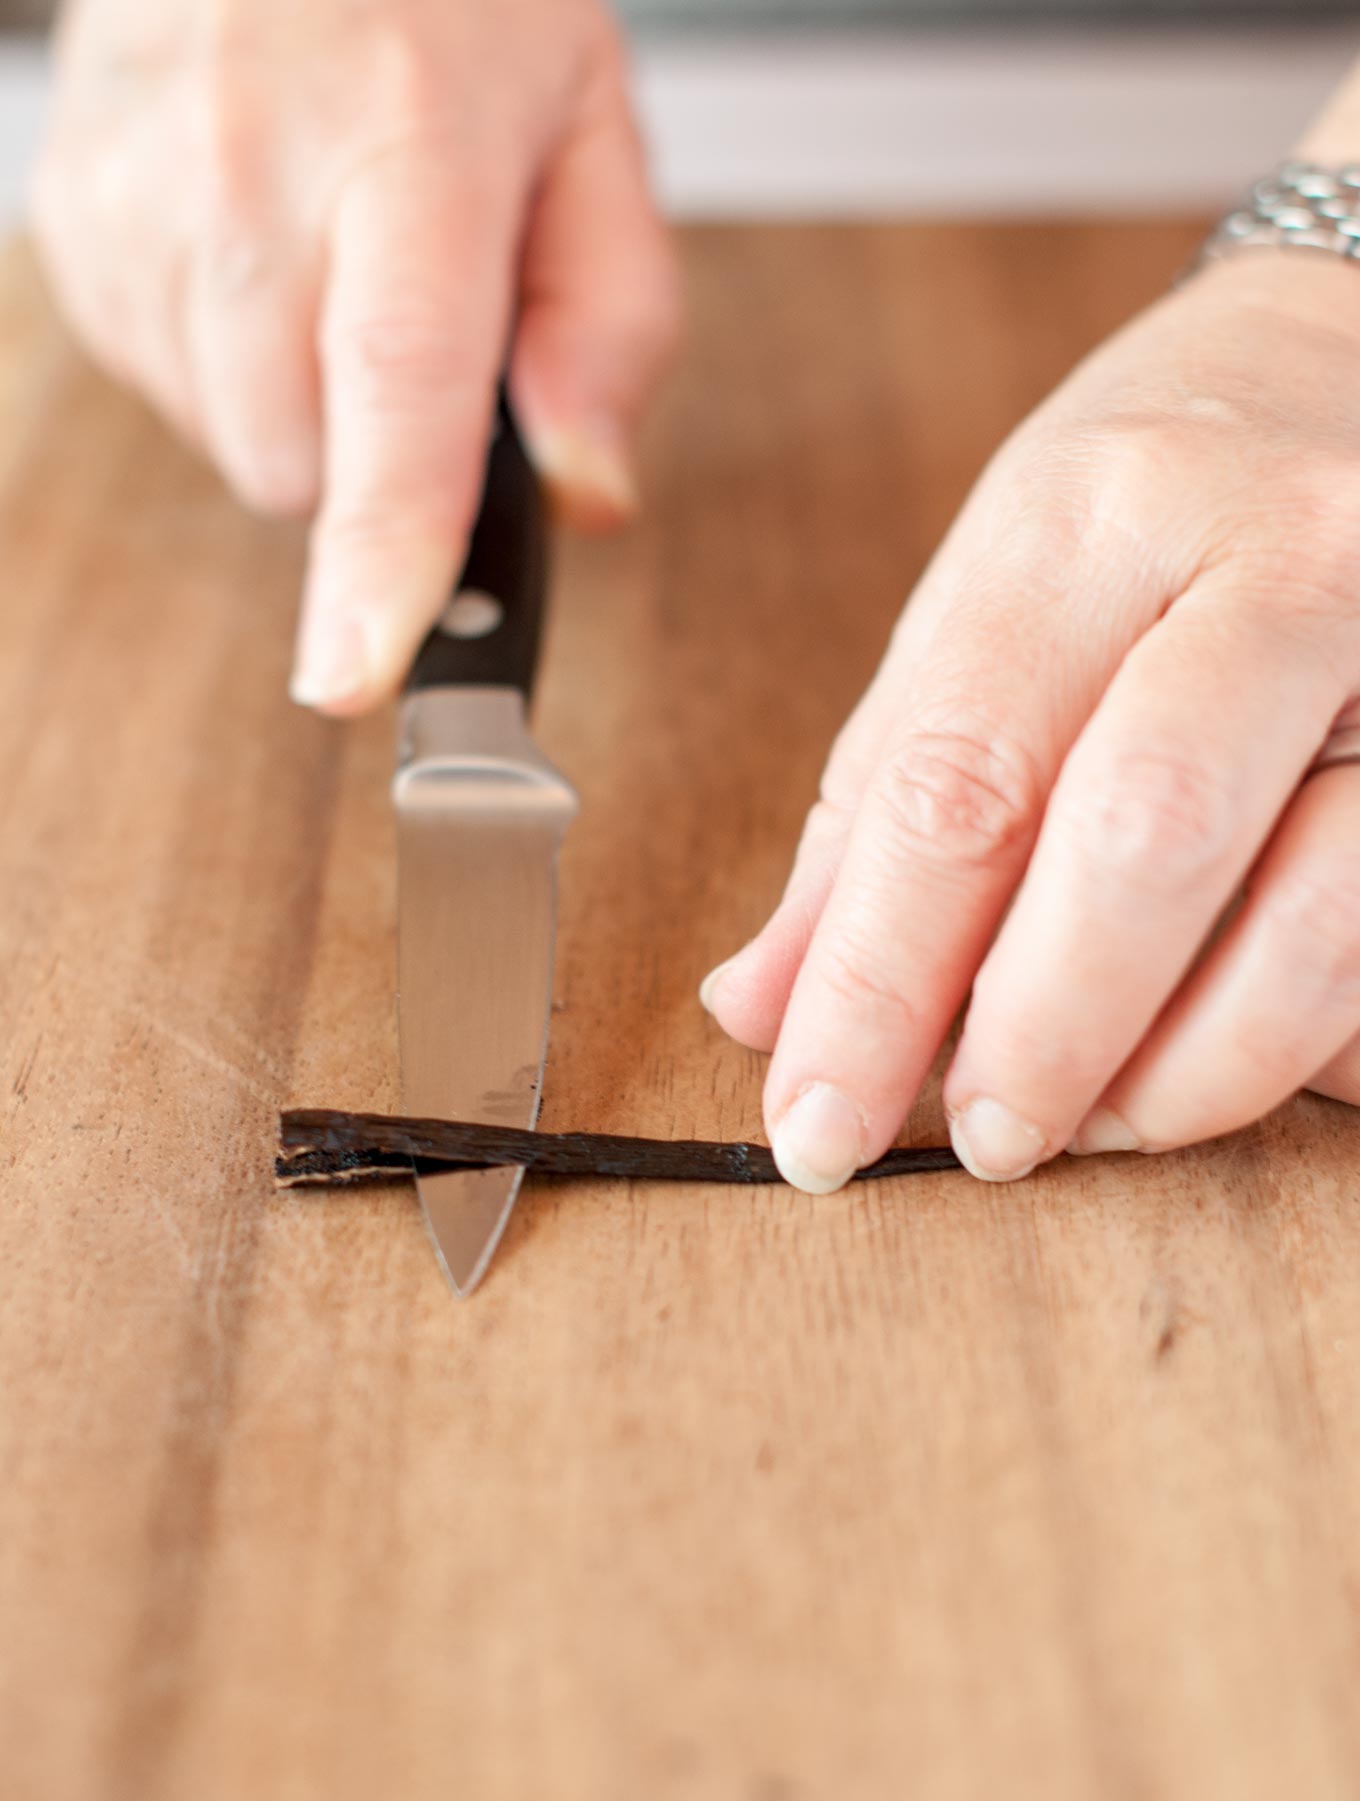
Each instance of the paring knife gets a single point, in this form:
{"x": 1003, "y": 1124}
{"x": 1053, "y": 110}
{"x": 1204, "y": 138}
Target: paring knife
{"x": 480, "y": 817}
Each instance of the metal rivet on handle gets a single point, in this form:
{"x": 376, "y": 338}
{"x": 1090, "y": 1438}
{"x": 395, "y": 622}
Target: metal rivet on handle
{"x": 471, "y": 614}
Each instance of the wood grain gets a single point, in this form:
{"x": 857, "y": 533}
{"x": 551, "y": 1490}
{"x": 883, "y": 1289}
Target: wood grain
{"x": 1051, "y": 1491}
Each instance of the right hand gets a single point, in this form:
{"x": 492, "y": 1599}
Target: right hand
{"x": 312, "y": 234}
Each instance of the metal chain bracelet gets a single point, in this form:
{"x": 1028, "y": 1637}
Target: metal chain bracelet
{"x": 1301, "y": 206}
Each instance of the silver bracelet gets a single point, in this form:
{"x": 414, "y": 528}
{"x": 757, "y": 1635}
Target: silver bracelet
{"x": 1300, "y": 206}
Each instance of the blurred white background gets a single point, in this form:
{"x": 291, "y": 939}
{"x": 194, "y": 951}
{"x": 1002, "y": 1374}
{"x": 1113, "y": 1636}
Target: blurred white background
{"x": 983, "y": 120}
{"x": 22, "y": 79}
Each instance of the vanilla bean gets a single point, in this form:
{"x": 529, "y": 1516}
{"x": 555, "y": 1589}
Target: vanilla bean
{"x": 318, "y": 1145}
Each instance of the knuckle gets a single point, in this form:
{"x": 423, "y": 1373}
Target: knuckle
{"x": 854, "y": 977}
{"x": 235, "y": 259}
{"x": 383, "y": 527}
{"x": 1155, "y": 817}
{"x": 957, "y": 795}
{"x": 1324, "y": 499}
{"x": 1320, "y": 916}
{"x": 1108, "y": 469}
{"x": 366, "y": 531}
{"x": 1129, "y": 456}
{"x": 1133, "y": 467}
{"x": 404, "y": 360}
{"x": 1310, "y": 542}
{"x": 1120, "y": 475}
{"x": 826, "y": 822}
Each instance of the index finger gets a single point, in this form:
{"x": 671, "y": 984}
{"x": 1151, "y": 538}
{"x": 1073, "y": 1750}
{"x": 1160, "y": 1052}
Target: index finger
{"x": 414, "y": 326}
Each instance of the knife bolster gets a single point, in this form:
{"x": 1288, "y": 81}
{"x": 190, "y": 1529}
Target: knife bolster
{"x": 471, "y": 747}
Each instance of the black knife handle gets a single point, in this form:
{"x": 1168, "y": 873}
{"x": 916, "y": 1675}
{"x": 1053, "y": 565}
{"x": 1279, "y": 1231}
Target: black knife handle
{"x": 502, "y": 591}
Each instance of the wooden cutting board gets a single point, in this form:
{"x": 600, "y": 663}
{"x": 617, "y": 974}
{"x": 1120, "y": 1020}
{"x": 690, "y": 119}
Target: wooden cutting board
{"x": 931, "y": 1490}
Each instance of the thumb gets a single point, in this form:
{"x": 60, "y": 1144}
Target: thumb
{"x": 599, "y": 316}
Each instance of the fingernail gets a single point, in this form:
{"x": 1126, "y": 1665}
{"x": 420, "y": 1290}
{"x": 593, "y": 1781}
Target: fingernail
{"x": 587, "y": 467}
{"x": 993, "y": 1143}
{"x": 710, "y": 982}
{"x": 333, "y": 662}
{"x": 1103, "y": 1130}
{"x": 819, "y": 1143}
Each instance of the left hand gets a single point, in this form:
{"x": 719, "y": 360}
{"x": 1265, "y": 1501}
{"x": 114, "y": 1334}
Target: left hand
{"x": 1092, "y": 731}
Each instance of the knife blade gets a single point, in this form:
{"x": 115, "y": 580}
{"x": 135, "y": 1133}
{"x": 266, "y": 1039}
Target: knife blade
{"x": 481, "y": 813}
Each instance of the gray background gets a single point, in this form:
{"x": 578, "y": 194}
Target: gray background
{"x": 714, "y": 14}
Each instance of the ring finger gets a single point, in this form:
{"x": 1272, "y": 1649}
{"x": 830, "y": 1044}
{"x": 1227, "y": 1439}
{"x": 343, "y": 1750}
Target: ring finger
{"x": 1276, "y": 998}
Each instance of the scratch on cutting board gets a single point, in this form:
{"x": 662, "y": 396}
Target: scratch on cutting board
{"x": 210, "y": 1021}
{"x": 186, "y": 1256}
{"x": 158, "y": 997}
{"x": 1165, "y": 1317}
{"x": 20, "y": 1089}
{"x": 204, "y": 1053}
{"x": 231, "y": 1029}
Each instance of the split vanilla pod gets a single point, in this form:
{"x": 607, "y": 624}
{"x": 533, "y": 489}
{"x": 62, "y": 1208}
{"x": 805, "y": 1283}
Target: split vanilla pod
{"x": 321, "y": 1146}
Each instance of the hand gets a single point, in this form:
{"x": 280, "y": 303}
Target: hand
{"x": 1093, "y": 726}
{"x": 309, "y": 233}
